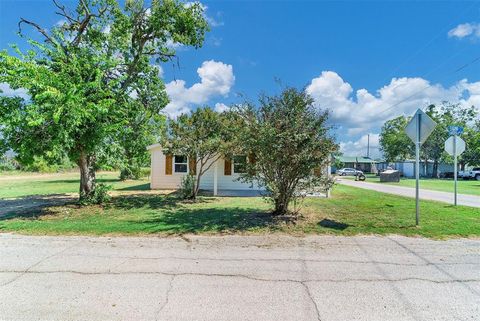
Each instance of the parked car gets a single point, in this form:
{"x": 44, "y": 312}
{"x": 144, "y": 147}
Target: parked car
{"x": 474, "y": 173}
{"x": 349, "y": 172}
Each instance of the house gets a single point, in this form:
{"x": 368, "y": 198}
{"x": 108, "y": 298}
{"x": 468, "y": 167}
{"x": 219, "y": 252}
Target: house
{"x": 365, "y": 164}
{"x": 221, "y": 178}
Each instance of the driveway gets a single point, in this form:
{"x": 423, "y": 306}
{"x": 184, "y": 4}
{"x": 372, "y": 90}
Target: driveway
{"x": 462, "y": 199}
{"x": 238, "y": 278}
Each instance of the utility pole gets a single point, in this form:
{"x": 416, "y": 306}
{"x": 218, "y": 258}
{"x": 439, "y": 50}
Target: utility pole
{"x": 368, "y": 146}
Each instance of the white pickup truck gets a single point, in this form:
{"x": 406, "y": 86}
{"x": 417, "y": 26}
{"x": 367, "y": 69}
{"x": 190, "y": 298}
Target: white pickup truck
{"x": 473, "y": 173}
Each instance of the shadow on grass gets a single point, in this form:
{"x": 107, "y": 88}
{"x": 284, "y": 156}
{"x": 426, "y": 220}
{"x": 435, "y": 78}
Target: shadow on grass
{"x": 175, "y": 215}
{"x": 327, "y": 223}
{"x": 140, "y": 187}
{"x": 76, "y": 181}
{"x": 196, "y": 220}
{"x": 152, "y": 214}
{"x": 148, "y": 201}
{"x": 32, "y": 206}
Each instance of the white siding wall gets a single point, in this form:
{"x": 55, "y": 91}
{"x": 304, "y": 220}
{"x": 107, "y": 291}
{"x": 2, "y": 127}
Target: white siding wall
{"x": 158, "y": 179}
{"x": 230, "y": 181}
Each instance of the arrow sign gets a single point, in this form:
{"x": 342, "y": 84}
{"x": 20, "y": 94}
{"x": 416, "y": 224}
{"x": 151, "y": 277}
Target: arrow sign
{"x": 427, "y": 125}
{"x": 451, "y": 148}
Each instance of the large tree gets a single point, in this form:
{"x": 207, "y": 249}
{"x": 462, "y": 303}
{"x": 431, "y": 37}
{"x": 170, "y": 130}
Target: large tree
{"x": 289, "y": 144}
{"x": 394, "y": 142}
{"x": 204, "y": 136}
{"x": 445, "y": 114}
{"x": 82, "y": 76}
{"x": 140, "y": 130}
{"x": 471, "y": 156}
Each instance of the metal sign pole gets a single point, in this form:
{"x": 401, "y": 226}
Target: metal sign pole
{"x": 455, "y": 166}
{"x": 417, "y": 171}
{"x": 418, "y": 129}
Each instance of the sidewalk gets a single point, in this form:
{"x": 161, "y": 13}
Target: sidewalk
{"x": 462, "y": 199}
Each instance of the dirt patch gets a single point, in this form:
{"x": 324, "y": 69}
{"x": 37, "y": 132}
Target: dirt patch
{"x": 35, "y": 202}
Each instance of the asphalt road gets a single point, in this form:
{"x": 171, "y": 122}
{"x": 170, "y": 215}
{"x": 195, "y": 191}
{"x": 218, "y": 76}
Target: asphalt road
{"x": 238, "y": 278}
{"x": 445, "y": 197}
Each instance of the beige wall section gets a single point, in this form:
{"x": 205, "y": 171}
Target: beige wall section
{"x": 158, "y": 179}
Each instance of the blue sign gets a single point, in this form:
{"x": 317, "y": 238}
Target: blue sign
{"x": 455, "y": 130}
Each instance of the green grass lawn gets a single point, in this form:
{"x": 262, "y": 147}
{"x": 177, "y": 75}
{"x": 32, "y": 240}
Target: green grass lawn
{"x": 25, "y": 184}
{"x": 445, "y": 185}
{"x": 350, "y": 211}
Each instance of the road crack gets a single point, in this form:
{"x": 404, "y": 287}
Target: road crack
{"x": 28, "y": 270}
{"x": 307, "y": 289}
{"x": 167, "y": 296}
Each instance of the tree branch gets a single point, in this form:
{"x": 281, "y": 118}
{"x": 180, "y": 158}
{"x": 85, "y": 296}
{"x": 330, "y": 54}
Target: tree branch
{"x": 36, "y": 26}
{"x": 64, "y": 12}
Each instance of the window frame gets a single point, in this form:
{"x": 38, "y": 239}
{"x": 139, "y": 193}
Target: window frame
{"x": 244, "y": 164}
{"x": 178, "y": 163}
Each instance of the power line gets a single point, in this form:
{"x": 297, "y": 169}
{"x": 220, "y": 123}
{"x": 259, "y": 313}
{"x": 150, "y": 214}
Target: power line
{"x": 431, "y": 85}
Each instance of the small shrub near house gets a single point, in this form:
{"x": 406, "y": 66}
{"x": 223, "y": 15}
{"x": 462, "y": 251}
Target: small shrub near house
{"x": 289, "y": 143}
{"x": 187, "y": 187}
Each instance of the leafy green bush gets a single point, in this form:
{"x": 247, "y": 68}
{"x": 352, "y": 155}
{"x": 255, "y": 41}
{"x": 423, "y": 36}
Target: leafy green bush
{"x": 7, "y": 164}
{"x": 99, "y": 196}
{"x": 145, "y": 172}
{"x": 130, "y": 172}
{"x": 41, "y": 165}
{"x": 187, "y": 187}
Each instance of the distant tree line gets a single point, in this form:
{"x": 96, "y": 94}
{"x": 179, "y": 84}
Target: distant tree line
{"x": 397, "y": 146}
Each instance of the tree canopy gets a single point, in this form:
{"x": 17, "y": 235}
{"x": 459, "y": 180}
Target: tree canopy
{"x": 394, "y": 142}
{"x": 93, "y": 75}
{"x": 396, "y": 145}
{"x": 289, "y": 143}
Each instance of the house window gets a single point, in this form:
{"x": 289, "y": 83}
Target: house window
{"x": 181, "y": 164}
{"x": 239, "y": 164}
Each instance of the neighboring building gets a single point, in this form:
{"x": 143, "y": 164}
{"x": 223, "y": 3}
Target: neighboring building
{"x": 365, "y": 164}
{"x": 407, "y": 168}
{"x": 167, "y": 172}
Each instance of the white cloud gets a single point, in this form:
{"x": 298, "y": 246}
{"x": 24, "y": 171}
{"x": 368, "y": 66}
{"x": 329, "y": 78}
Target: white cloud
{"x": 465, "y": 30}
{"x": 160, "y": 71}
{"x": 361, "y": 111}
{"x": 60, "y": 23}
{"x": 221, "y": 107}
{"x": 6, "y": 90}
{"x": 359, "y": 147}
{"x": 214, "y": 22}
{"x": 216, "y": 41}
{"x": 216, "y": 79}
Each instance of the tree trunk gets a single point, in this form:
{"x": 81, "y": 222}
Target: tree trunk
{"x": 281, "y": 202}
{"x": 87, "y": 175}
{"x": 197, "y": 183}
{"x": 197, "y": 187}
{"x": 435, "y": 169}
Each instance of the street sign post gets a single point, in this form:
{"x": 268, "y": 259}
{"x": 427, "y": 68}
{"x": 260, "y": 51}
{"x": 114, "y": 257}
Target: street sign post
{"x": 418, "y": 129}
{"x": 455, "y": 146}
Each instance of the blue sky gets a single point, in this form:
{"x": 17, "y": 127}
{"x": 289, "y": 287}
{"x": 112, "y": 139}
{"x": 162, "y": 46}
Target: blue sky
{"x": 365, "y": 61}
